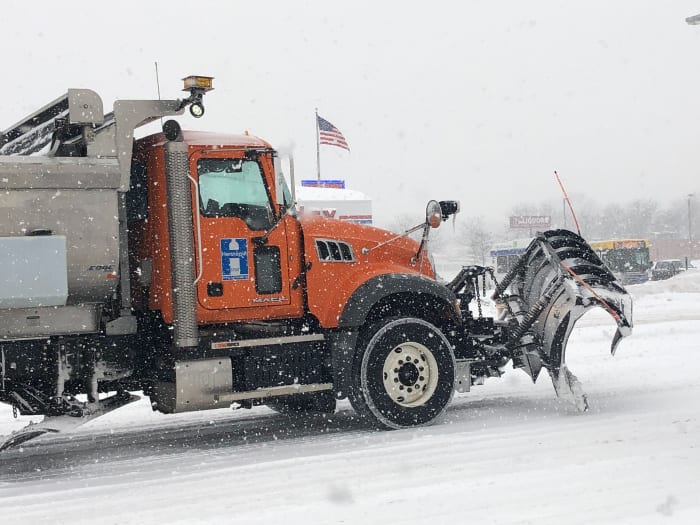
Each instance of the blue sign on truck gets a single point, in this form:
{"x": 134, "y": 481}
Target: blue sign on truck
{"x": 234, "y": 259}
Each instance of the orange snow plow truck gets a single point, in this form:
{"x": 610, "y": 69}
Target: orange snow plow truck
{"x": 176, "y": 265}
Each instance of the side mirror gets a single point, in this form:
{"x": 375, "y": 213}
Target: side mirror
{"x": 433, "y": 214}
{"x": 449, "y": 208}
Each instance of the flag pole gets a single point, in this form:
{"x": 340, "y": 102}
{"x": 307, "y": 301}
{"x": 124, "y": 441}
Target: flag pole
{"x": 318, "y": 151}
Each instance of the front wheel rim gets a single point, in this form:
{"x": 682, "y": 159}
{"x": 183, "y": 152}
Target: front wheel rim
{"x": 410, "y": 374}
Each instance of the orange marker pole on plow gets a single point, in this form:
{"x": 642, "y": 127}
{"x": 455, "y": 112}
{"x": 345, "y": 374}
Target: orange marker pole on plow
{"x": 576, "y": 276}
{"x": 566, "y": 198}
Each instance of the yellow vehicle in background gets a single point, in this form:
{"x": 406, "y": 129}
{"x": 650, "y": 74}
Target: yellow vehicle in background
{"x": 628, "y": 259}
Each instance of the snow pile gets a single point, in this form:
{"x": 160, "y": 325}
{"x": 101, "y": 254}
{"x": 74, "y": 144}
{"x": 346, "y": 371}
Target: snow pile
{"x": 685, "y": 282}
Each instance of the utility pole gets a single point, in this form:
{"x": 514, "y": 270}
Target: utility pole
{"x": 690, "y": 227}
{"x": 318, "y": 151}
{"x": 691, "y": 21}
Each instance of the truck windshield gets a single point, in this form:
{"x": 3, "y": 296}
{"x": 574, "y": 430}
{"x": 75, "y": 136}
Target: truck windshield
{"x": 234, "y": 188}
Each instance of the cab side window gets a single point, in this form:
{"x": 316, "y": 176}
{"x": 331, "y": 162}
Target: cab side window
{"x": 234, "y": 188}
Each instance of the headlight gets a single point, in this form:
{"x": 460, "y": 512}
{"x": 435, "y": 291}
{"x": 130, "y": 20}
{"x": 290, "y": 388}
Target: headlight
{"x": 196, "y": 109}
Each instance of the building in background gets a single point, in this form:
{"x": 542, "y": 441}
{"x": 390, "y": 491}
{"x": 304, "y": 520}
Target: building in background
{"x": 505, "y": 255}
{"x": 674, "y": 249}
{"x": 330, "y": 198}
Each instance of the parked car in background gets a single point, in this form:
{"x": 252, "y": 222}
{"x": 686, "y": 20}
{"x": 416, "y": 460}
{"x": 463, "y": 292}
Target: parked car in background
{"x": 678, "y": 265}
{"x": 665, "y": 269}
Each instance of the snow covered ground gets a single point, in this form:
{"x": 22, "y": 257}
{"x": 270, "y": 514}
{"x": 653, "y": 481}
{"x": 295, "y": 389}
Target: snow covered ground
{"x": 507, "y": 452}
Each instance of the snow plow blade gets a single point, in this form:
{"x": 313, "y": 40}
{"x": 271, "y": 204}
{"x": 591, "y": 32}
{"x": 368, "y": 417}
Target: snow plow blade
{"x": 66, "y": 422}
{"x": 554, "y": 283}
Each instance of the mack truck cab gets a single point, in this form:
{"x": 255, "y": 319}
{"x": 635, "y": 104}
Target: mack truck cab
{"x": 261, "y": 271}
{"x": 175, "y": 265}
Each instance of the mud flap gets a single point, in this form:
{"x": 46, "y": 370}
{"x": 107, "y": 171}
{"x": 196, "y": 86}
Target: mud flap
{"x": 65, "y": 423}
{"x": 555, "y": 282}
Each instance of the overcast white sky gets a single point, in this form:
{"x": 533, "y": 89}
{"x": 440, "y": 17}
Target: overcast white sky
{"x": 476, "y": 100}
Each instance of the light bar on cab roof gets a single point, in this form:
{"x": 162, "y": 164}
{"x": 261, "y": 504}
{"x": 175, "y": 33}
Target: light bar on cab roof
{"x": 198, "y": 82}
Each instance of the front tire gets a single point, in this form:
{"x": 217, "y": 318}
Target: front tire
{"x": 405, "y": 374}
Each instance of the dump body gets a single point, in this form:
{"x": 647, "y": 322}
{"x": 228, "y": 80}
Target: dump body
{"x": 44, "y": 197}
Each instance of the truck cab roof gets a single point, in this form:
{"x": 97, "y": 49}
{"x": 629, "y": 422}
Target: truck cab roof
{"x": 211, "y": 139}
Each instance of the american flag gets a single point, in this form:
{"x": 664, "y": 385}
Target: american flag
{"x": 329, "y": 134}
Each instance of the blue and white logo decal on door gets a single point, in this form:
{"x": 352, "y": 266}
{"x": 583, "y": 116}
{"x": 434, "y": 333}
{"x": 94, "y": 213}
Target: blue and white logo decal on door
{"x": 234, "y": 259}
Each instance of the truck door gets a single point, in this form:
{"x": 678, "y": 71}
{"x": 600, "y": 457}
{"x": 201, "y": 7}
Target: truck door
{"x": 239, "y": 273}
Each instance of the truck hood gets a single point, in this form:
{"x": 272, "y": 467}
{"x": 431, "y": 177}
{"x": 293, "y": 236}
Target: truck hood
{"x": 398, "y": 253}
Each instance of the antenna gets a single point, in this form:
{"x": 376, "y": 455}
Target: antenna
{"x": 158, "y": 88}
{"x": 566, "y": 198}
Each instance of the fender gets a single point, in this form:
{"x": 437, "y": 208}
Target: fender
{"x": 358, "y": 308}
{"x": 369, "y": 293}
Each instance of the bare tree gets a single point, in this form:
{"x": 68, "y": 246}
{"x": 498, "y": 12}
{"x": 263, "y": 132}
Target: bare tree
{"x": 478, "y": 238}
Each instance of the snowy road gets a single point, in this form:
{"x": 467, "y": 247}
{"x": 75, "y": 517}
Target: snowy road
{"x": 508, "y": 452}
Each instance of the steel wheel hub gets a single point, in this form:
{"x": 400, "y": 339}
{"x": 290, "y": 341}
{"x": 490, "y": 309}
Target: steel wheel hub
{"x": 410, "y": 374}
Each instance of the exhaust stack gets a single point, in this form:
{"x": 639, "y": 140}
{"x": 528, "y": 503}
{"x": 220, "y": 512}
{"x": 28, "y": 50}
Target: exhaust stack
{"x": 181, "y": 242}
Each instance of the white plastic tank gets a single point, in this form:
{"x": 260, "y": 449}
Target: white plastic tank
{"x": 33, "y": 271}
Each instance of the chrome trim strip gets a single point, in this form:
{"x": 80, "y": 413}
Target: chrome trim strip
{"x": 246, "y": 343}
{"x": 284, "y": 390}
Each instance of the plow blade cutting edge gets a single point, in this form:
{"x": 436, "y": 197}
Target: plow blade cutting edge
{"x": 554, "y": 283}
{"x": 66, "y": 423}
